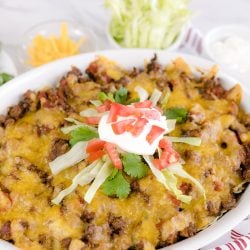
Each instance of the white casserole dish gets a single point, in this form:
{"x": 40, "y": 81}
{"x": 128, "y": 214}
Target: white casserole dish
{"x": 50, "y": 74}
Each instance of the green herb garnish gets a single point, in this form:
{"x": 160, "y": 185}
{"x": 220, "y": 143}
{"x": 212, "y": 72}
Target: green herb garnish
{"x": 121, "y": 95}
{"x": 179, "y": 114}
{"x": 4, "y": 77}
{"x": 133, "y": 165}
{"x": 116, "y": 185}
{"x": 82, "y": 134}
{"x": 103, "y": 97}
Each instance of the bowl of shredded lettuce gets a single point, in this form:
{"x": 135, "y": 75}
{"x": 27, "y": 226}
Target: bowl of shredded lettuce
{"x": 155, "y": 24}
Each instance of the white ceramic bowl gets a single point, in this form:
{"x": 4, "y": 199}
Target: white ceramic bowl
{"x": 174, "y": 46}
{"x": 49, "y": 74}
{"x": 220, "y": 33}
{"x": 53, "y": 27}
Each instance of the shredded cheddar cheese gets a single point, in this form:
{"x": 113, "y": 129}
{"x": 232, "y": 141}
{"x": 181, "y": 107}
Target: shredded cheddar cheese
{"x": 47, "y": 49}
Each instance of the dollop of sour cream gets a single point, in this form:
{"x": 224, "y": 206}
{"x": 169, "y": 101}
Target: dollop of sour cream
{"x": 233, "y": 51}
{"x": 128, "y": 142}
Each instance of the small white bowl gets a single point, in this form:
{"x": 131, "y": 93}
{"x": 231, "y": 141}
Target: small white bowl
{"x": 174, "y": 46}
{"x": 219, "y": 34}
{"x": 48, "y": 28}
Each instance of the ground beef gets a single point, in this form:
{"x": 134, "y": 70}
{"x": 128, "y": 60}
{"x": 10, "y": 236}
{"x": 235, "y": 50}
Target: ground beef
{"x": 189, "y": 231}
{"x": 153, "y": 65}
{"x": 212, "y": 89}
{"x": 116, "y": 224}
{"x": 45, "y": 240}
{"x": 59, "y": 147}
{"x": 246, "y": 163}
{"x": 229, "y": 204}
{"x": 66, "y": 242}
{"x": 87, "y": 217}
{"x": 213, "y": 208}
{"x": 5, "y": 231}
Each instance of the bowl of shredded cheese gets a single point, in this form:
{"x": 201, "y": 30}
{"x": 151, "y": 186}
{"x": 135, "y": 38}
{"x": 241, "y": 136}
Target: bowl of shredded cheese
{"x": 52, "y": 40}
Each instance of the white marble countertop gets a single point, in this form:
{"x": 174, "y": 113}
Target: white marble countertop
{"x": 18, "y": 16}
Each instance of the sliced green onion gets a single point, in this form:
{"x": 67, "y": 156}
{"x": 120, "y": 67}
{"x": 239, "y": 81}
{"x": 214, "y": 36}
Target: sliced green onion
{"x": 84, "y": 177}
{"x": 76, "y": 154}
{"x": 194, "y": 141}
{"x": 155, "y": 97}
{"x": 168, "y": 180}
{"x": 142, "y": 93}
{"x": 100, "y": 178}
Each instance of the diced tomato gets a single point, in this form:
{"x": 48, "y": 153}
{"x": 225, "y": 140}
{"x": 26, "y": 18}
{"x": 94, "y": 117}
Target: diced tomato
{"x": 105, "y": 107}
{"x": 122, "y": 126}
{"x": 157, "y": 163}
{"x": 93, "y": 120}
{"x": 113, "y": 155}
{"x": 154, "y": 133}
{"x": 138, "y": 127}
{"x": 118, "y": 109}
{"x": 167, "y": 157}
{"x": 95, "y": 155}
{"x": 165, "y": 144}
{"x": 147, "y": 113}
{"x": 152, "y": 114}
{"x": 95, "y": 145}
{"x": 144, "y": 104}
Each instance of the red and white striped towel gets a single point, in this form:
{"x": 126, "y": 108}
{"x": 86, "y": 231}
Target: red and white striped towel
{"x": 236, "y": 239}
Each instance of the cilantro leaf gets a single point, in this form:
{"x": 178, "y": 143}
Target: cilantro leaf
{"x": 4, "y": 77}
{"x": 103, "y": 97}
{"x": 82, "y": 134}
{"x": 117, "y": 186}
{"x": 134, "y": 166}
{"x": 180, "y": 114}
{"x": 121, "y": 95}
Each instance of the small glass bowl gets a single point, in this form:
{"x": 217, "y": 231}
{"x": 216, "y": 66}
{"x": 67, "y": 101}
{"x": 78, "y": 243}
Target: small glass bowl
{"x": 48, "y": 28}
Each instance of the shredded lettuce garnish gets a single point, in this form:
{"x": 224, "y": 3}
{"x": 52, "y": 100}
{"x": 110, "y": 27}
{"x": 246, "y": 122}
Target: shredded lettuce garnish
{"x": 155, "y": 97}
{"x": 84, "y": 177}
{"x": 90, "y": 112}
{"x": 194, "y": 141}
{"x": 178, "y": 170}
{"x": 170, "y": 123}
{"x": 142, "y": 93}
{"x": 76, "y": 154}
{"x": 100, "y": 178}
{"x": 168, "y": 180}
{"x": 146, "y": 23}
{"x": 96, "y": 103}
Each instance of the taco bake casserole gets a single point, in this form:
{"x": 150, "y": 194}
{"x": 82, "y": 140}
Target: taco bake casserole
{"x": 121, "y": 159}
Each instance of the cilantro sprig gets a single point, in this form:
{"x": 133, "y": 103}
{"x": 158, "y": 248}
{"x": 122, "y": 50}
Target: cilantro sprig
{"x": 180, "y": 114}
{"x": 116, "y": 185}
{"x": 82, "y": 134}
{"x": 133, "y": 165}
{"x": 119, "y": 96}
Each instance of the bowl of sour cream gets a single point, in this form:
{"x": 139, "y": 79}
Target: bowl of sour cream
{"x": 229, "y": 46}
